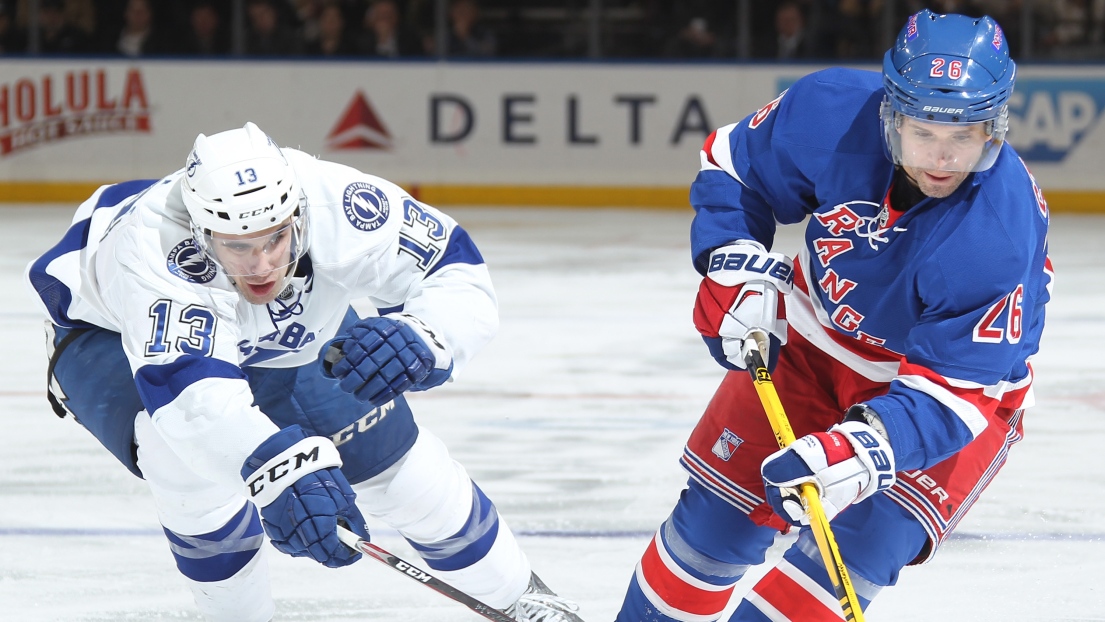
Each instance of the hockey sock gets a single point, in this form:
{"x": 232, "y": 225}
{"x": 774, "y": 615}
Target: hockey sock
{"x": 226, "y": 569}
{"x": 798, "y": 589}
{"x": 482, "y": 558}
{"x": 468, "y": 545}
{"x": 222, "y": 553}
{"x": 676, "y": 579}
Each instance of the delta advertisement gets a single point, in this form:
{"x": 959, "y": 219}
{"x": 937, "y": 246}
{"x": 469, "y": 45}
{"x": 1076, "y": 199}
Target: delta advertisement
{"x": 608, "y": 133}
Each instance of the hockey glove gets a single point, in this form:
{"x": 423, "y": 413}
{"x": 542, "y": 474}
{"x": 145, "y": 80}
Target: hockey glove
{"x": 741, "y": 293}
{"x": 294, "y": 479}
{"x": 847, "y": 464}
{"x": 381, "y": 357}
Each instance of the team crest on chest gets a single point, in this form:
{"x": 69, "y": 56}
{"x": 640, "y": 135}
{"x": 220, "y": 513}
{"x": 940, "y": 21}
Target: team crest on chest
{"x": 726, "y": 444}
{"x": 365, "y": 206}
{"x": 189, "y": 263}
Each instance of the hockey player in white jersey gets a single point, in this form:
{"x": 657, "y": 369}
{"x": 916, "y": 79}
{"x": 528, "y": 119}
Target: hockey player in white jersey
{"x": 200, "y": 327}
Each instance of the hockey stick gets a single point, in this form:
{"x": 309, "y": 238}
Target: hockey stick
{"x": 755, "y": 348}
{"x": 361, "y": 545}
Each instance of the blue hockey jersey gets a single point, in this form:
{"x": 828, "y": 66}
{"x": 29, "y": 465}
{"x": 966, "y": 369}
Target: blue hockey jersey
{"x": 945, "y": 301}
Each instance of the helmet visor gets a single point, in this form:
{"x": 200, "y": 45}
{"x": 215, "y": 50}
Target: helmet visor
{"x": 937, "y": 146}
{"x": 259, "y": 253}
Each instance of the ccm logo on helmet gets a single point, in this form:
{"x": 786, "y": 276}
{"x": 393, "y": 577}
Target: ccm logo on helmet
{"x": 256, "y": 212}
{"x": 942, "y": 110}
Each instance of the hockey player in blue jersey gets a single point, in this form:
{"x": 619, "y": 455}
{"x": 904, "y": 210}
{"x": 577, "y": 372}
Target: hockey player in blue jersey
{"x": 200, "y": 326}
{"x": 900, "y": 333}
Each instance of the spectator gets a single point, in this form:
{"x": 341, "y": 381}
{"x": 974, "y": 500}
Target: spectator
{"x": 12, "y": 40}
{"x": 306, "y": 14}
{"x": 1070, "y": 26}
{"x": 384, "y": 32}
{"x": 1010, "y": 14}
{"x": 81, "y": 14}
{"x": 333, "y": 40}
{"x": 852, "y": 28}
{"x": 791, "y": 41}
{"x": 207, "y": 36}
{"x": 139, "y": 37}
{"x": 266, "y": 34}
{"x": 56, "y": 35}
{"x": 695, "y": 40}
{"x": 468, "y": 36}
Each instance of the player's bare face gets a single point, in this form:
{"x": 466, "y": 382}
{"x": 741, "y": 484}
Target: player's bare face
{"x": 937, "y": 156}
{"x": 257, "y": 262}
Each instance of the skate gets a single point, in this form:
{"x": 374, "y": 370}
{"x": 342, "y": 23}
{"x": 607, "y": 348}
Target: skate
{"x": 540, "y": 604}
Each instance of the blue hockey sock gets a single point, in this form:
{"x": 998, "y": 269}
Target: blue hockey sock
{"x": 468, "y": 545}
{"x": 220, "y": 554}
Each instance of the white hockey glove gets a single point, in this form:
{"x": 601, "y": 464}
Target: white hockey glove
{"x": 847, "y": 464}
{"x": 740, "y": 294}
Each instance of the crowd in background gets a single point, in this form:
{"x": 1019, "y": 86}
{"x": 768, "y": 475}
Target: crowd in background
{"x": 645, "y": 29}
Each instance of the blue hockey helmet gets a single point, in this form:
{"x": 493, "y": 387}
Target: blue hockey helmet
{"x": 949, "y": 69}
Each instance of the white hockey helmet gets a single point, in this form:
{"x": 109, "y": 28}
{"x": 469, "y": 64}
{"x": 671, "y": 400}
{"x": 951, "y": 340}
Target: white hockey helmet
{"x": 238, "y": 183}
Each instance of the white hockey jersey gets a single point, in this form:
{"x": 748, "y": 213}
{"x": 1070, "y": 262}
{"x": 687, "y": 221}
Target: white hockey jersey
{"x": 128, "y": 264}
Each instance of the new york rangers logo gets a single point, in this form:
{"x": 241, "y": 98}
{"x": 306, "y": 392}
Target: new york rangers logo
{"x": 189, "y": 263}
{"x": 365, "y": 206}
{"x": 726, "y": 444}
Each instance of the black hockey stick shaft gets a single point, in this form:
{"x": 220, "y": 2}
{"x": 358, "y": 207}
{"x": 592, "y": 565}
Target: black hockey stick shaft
{"x": 361, "y": 545}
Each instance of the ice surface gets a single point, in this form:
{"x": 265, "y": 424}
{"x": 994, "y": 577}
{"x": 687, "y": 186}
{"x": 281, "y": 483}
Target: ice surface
{"x": 572, "y": 421}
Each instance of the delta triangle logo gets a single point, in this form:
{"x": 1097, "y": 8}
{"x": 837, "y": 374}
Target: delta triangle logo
{"x": 359, "y": 128}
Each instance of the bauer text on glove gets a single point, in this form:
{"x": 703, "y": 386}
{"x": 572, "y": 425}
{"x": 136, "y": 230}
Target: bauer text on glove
{"x": 740, "y": 294}
{"x": 847, "y": 464}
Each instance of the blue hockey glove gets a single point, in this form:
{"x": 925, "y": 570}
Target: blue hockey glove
{"x": 741, "y": 294}
{"x": 847, "y": 464}
{"x": 381, "y": 357}
{"x": 294, "y": 479}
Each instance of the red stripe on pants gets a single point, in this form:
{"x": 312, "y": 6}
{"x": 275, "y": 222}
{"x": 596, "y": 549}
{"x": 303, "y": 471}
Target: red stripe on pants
{"x": 677, "y": 593}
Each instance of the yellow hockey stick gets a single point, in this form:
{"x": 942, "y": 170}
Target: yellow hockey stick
{"x": 755, "y": 349}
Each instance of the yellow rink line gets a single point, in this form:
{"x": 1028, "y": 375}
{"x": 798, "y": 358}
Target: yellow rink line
{"x": 651, "y": 197}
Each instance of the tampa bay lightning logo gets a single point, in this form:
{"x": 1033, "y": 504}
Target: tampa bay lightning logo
{"x": 365, "y": 206}
{"x": 190, "y": 264}
{"x": 193, "y": 163}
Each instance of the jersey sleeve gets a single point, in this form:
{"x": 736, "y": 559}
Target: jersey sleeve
{"x": 181, "y": 341}
{"x": 967, "y": 361}
{"x": 406, "y": 258}
{"x": 438, "y": 276}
